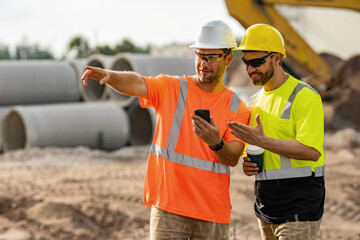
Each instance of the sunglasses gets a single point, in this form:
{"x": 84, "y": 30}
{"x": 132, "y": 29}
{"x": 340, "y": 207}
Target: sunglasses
{"x": 210, "y": 57}
{"x": 256, "y": 62}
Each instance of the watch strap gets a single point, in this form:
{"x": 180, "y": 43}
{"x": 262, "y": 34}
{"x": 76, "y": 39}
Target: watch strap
{"x": 217, "y": 147}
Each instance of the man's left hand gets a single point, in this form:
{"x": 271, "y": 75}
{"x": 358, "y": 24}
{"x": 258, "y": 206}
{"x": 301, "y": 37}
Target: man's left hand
{"x": 208, "y": 132}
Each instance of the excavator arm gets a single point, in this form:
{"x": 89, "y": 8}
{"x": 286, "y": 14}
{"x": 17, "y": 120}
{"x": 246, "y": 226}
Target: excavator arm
{"x": 249, "y": 12}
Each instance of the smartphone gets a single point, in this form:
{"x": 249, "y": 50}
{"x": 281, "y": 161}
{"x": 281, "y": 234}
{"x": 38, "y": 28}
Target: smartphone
{"x": 203, "y": 113}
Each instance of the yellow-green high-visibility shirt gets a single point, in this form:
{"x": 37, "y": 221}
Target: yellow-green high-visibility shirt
{"x": 292, "y": 111}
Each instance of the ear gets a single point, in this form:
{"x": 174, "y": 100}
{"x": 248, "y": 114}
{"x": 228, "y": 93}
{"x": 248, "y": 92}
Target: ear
{"x": 277, "y": 57}
{"x": 229, "y": 59}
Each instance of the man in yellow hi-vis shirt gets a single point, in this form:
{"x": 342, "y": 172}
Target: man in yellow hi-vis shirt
{"x": 287, "y": 120}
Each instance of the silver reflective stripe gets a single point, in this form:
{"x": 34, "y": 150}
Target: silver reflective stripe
{"x": 189, "y": 161}
{"x": 271, "y": 174}
{"x": 286, "y": 171}
{"x": 287, "y": 109}
{"x": 175, "y": 157}
{"x": 285, "y": 162}
{"x": 178, "y": 116}
{"x": 235, "y": 103}
{"x": 319, "y": 171}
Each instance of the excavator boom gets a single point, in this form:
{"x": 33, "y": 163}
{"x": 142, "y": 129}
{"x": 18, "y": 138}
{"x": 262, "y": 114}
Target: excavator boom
{"x": 348, "y": 4}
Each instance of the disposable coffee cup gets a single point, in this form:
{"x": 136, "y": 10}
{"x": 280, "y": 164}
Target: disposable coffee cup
{"x": 256, "y": 154}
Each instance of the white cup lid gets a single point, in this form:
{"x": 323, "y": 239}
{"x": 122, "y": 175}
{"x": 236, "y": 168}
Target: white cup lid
{"x": 254, "y": 150}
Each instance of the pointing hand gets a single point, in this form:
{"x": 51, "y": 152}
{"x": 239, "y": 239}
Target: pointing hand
{"x": 98, "y": 74}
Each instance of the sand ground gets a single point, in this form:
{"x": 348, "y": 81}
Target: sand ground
{"x": 78, "y": 193}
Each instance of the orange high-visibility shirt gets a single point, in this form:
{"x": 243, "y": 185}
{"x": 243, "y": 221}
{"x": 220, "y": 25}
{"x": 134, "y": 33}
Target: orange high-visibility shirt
{"x": 183, "y": 175}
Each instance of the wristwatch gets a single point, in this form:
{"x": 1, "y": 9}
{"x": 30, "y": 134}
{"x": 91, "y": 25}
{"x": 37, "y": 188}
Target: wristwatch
{"x": 217, "y": 147}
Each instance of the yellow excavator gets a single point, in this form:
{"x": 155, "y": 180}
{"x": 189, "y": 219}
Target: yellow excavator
{"x": 300, "y": 55}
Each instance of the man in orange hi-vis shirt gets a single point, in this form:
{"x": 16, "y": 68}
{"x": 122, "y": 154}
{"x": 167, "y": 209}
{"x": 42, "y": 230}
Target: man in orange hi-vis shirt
{"x": 188, "y": 174}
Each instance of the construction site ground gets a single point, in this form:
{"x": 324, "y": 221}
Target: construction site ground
{"x": 78, "y": 193}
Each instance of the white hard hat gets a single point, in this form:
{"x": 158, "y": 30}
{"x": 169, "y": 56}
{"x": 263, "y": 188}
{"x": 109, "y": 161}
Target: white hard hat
{"x": 215, "y": 35}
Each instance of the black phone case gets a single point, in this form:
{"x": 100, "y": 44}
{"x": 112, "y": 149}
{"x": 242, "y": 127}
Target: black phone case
{"x": 203, "y": 113}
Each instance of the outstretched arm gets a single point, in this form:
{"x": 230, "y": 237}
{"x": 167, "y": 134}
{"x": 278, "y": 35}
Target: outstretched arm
{"x": 129, "y": 83}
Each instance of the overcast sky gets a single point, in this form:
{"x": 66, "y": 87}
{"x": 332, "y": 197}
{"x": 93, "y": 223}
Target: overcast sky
{"x": 52, "y": 24}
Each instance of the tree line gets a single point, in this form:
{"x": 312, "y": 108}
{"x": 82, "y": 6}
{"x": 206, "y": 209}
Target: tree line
{"x": 78, "y": 44}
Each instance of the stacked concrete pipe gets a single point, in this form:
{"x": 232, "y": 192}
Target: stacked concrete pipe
{"x": 80, "y": 64}
{"x": 147, "y": 65}
{"x": 94, "y": 91}
{"x": 2, "y": 114}
{"x": 142, "y": 124}
{"x": 33, "y": 82}
{"x": 143, "y": 120}
{"x": 96, "y": 125}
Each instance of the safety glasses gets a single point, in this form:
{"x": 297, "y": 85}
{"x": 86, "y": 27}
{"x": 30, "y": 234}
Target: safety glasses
{"x": 256, "y": 62}
{"x": 211, "y": 58}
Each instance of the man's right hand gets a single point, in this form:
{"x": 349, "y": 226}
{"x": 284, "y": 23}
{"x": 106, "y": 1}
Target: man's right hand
{"x": 98, "y": 74}
{"x": 249, "y": 167}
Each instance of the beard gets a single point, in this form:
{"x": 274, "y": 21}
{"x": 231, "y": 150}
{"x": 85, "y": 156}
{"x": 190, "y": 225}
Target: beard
{"x": 259, "y": 78}
{"x": 211, "y": 75}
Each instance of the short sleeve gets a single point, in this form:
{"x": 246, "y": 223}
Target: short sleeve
{"x": 309, "y": 120}
{"x": 155, "y": 86}
{"x": 242, "y": 116}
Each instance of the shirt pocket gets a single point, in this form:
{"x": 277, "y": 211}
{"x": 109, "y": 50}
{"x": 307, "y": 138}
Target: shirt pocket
{"x": 278, "y": 128}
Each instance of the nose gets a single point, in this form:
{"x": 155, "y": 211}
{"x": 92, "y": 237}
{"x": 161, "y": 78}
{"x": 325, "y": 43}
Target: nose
{"x": 204, "y": 58}
{"x": 203, "y": 61}
{"x": 250, "y": 68}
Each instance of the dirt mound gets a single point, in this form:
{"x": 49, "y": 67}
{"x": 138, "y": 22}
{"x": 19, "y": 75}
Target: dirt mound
{"x": 344, "y": 95}
{"x": 61, "y": 220}
{"x": 333, "y": 61}
{"x": 347, "y": 70}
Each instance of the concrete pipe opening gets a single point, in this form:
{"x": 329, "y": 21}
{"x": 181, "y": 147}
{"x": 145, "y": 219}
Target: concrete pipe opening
{"x": 95, "y": 125}
{"x": 121, "y": 64}
{"x": 3, "y": 111}
{"x": 13, "y": 130}
{"x": 94, "y": 91}
{"x": 142, "y": 124}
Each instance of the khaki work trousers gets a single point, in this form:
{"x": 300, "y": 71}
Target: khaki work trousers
{"x": 307, "y": 230}
{"x": 165, "y": 225}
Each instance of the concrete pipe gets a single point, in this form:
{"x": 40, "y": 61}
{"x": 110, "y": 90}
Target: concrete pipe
{"x": 95, "y": 125}
{"x": 147, "y": 65}
{"x": 32, "y": 82}
{"x": 2, "y": 114}
{"x": 80, "y": 63}
{"x": 142, "y": 124}
{"x": 94, "y": 91}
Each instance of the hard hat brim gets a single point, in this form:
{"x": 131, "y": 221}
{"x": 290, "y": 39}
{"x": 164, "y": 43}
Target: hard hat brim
{"x": 207, "y": 46}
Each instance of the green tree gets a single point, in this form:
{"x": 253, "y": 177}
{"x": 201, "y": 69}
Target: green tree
{"x": 125, "y": 46}
{"x": 128, "y": 46}
{"x": 4, "y": 52}
{"x": 81, "y": 45}
{"x": 25, "y": 51}
{"x": 104, "y": 50}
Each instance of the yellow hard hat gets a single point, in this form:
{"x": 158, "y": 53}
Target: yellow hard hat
{"x": 263, "y": 37}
